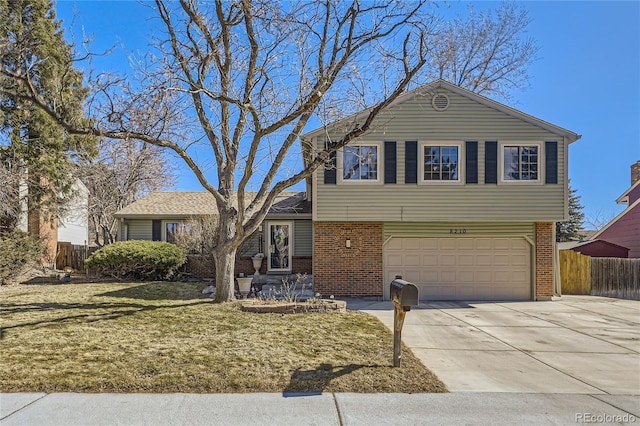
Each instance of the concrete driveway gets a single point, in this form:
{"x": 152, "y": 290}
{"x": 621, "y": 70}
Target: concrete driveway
{"x": 574, "y": 345}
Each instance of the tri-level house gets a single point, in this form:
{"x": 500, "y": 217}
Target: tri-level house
{"x": 453, "y": 191}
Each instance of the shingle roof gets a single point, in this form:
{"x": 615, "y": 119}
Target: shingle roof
{"x": 187, "y": 204}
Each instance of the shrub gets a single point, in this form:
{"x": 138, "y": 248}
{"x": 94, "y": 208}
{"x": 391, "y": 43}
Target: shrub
{"x": 18, "y": 251}
{"x": 152, "y": 260}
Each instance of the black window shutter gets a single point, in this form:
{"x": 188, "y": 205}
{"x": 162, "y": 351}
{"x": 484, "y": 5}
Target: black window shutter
{"x": 491, "y": 162}
{"x": 330, "y": 169}
{"x": 156, "y": 230}
{"x": 471, "y": 159}
{"x": 411, "y": 162}
{"x": 551, "y": 161}
{"x": 389, "y": 162}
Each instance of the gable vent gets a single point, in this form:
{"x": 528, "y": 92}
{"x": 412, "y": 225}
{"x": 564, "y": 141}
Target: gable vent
{"x": 440, "y": 102}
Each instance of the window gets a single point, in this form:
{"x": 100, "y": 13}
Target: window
{"x": 520, "y": 163}
{"x": 360, "y": 163}
{"x": 441, "y": 163}
{"x": 174, "y": 229}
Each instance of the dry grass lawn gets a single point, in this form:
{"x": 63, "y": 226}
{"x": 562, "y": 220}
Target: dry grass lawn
{"x": 168, "y": 337}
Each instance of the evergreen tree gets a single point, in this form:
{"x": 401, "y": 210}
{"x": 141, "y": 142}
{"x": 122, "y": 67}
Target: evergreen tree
{"x": 39, "y": 150}
{"x": 570, "y": 230}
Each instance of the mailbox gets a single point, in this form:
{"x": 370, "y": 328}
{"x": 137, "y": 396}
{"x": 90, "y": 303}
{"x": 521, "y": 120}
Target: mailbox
{"x": 404, "y": 293}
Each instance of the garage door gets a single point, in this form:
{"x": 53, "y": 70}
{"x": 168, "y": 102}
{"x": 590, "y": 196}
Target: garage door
{"x": 461, "y": 268}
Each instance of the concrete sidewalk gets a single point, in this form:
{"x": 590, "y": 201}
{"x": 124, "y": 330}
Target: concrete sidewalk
{"x": 575, "y": 345}
{"x": 327, "y": 409}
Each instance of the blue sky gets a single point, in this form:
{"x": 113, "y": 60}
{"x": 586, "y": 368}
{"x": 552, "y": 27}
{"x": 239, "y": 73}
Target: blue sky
{"x": 587, "y": 80}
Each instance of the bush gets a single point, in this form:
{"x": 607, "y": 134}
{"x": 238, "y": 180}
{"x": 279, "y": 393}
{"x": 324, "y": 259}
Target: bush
{"x": 18, "y": 251}
{"x": 151, "y": 260}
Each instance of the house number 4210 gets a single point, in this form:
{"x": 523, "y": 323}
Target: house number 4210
{"x": 457, "y": 231}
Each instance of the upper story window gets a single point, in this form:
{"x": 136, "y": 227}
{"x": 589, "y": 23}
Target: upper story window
{"x": 360, "y": 163}
{"x": 441, "y": 163}
{"x": 521, "y": 163}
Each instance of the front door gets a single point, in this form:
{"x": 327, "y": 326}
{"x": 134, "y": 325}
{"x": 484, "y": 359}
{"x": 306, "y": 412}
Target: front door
{"x": 280, "y": 250}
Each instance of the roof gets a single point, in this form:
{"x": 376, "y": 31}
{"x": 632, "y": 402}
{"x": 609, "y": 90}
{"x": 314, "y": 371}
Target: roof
{"x": 188, "y": 204}
{"x": 442, "y": 84}
{"x": 575, "y": 244}
{"x": 624, "y": 198}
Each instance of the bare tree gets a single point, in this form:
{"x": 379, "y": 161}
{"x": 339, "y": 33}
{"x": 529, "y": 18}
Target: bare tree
{"x": 123, "y": 172}
{"x": 484, "y": 53}
{"x": 237, "y": 82}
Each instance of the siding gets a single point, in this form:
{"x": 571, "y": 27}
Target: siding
{"x": 139, "y": 229}
{"x": 625, "y": 231}
{"x": 464, "y": 120}
{"x": 303, "y": 238}
{"x": 459, "y": 229}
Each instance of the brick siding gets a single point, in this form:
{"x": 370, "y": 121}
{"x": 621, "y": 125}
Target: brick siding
{"x": 544, "y": 261}
{"x": 202, "y": 266}
{"x": 342, "y": 271}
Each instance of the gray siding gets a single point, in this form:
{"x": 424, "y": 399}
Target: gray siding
{"x": 464, "y": 120}
{"x": 303, "y": 238}
{"x": 139, "y": 229}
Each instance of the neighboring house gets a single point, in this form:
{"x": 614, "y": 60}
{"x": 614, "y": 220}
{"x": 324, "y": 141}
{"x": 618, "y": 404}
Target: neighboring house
{"x": 624, "y": 229}
{"x": 595, "y": 248}
{"x": 453, "y": 191}
{"x": 285, "y": 237}
{"x": 71, "y": 227}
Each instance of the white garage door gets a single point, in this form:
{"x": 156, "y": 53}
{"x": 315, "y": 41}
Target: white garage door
{"x": 461, "y": 268}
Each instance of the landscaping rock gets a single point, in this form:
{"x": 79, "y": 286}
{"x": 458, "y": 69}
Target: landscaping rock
{"x": 209, "y": 289}
{"x": 280, "y": 307}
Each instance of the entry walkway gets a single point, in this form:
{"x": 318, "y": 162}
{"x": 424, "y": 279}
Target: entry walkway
{"x": 575, "y": 345}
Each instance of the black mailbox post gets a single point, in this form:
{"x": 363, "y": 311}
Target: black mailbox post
{"x": 403, "y": 295}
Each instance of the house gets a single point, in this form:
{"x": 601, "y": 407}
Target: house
{"x": 453, "y": 191}
{"x": 70, "y": 227}
{"x": 595, "y": 248}
{"x": 285, "y": 236}
{"x": 624, "y": 229}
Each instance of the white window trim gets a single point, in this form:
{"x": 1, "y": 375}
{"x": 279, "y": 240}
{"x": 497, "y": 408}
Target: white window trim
{"x": 461, "y": 163}
{"x": 267, "y": 239}
{"x": 163, "y": 234}
{"x": 541, "y": 163}
{"x": 340, "y": 166}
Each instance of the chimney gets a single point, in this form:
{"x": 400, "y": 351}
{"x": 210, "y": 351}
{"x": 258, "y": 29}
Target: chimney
{"x": 635, "y": 172}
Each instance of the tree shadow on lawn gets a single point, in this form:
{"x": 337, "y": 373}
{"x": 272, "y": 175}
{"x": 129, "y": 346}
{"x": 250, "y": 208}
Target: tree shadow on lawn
{"x": 159, "y": 290}
{"x": 112, "y": 311}
{"x": 314, "y": 382}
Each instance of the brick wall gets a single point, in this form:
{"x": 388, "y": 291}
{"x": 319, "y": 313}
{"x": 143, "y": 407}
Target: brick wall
{"x": 202, "y": 266}
{"x": 544, "y": 261}
{"x": 342, "y": 271}
{"x": 635, "y": 172}
{"x": 47, "y": 232}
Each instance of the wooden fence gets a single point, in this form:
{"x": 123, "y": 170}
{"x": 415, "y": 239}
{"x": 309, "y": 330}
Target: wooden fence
{"x": 614, "y": 277}
{"x": 575, "y": 272}
{"x": 72, "y": 256}
{"x": 599, "y": 276}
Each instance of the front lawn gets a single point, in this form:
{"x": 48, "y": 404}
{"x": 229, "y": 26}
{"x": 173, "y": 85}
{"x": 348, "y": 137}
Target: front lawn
{"x": 168, "y": 337}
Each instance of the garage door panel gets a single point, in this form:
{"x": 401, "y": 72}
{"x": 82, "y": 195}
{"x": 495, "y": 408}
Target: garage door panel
{"x": 412, "y": 244}
{"x": 465, "y": 244}
{"x": 461, "y": 268}
{"x": 447, "y": 244}
{"x": 466, "y": 260}
{"x": 412, "y": 260}
{"x": 447, "y": 260}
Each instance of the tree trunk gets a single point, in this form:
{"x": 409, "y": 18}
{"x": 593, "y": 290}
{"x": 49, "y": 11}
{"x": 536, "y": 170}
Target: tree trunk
{"x": 224, "y": 260}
